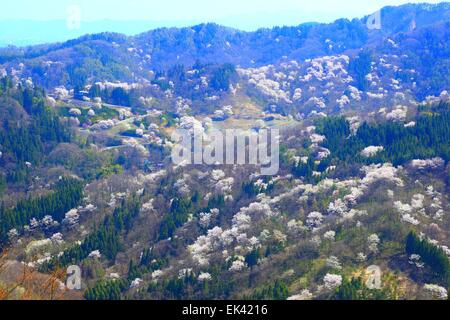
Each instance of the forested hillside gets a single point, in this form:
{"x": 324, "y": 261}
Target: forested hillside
{"x": 358, "y": 208}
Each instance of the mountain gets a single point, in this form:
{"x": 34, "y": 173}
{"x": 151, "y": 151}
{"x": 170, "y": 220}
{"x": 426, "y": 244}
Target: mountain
{"x": 118, "y": 57}
{"x": 31, "y": 32}
{"x": 88, "y": 178}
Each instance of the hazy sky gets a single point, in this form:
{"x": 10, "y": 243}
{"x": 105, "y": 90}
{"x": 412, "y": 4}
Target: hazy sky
{"x": 237, "y": 13}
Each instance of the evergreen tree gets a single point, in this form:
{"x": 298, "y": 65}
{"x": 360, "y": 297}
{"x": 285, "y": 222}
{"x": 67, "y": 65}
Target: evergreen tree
{"x": 435, "y": 257}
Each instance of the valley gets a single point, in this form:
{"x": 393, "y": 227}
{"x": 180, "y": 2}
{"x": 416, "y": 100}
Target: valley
{"x": 87, "y": 177}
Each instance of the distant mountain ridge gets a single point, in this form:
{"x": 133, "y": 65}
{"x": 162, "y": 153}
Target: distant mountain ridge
{"x": 113, "y": 56}
{"x": 30, "y": 32}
